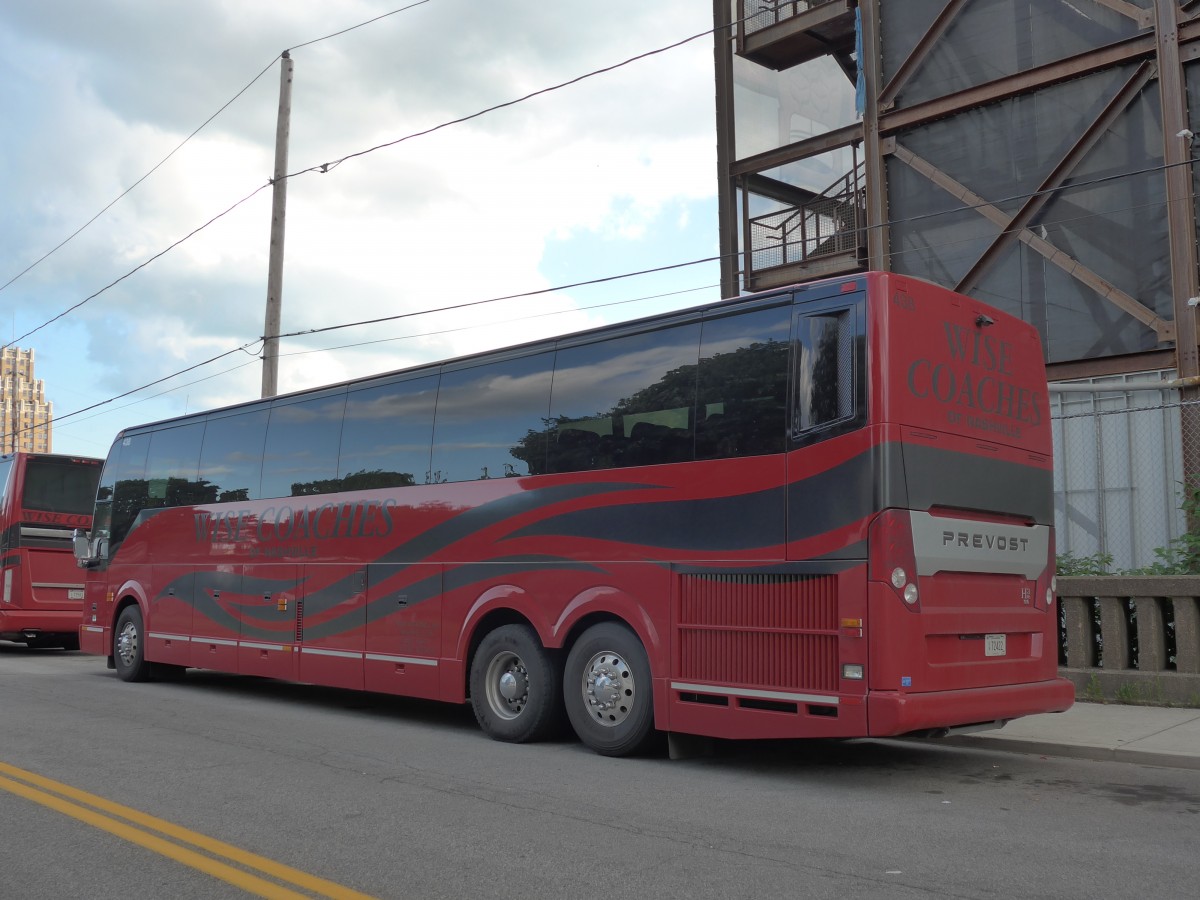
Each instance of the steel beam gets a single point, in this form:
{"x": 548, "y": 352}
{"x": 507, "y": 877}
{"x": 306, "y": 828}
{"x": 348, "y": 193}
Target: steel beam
{"x": 875, "y": 173}
{"x": 1164, "y": 329}
{"x": 1129, "y": 50}
{"x": 1034, "y": 205}
{"x": 1181, "y": 209}
{"x": 727, "y": 224}
{"x": 917, "y": 55}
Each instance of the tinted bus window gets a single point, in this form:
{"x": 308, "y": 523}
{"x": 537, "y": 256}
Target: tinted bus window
{"x": 626, "y": 401}
{"x": 5, "y": 470}
{"x": 231, "y": 462}
{"x": 741, "y": 405}
{"x": 171, "y": 465}
{"x": 824, "y": 377}
{"x": 387, "y": 434}
{"x": 124, "y": 491}
{"x": 491, "y": 420}
{"x": 61, "y": 486}
{"x": 301, "y": 454}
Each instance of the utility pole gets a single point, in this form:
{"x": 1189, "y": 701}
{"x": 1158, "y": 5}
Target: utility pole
{"x": 270, "y": 378}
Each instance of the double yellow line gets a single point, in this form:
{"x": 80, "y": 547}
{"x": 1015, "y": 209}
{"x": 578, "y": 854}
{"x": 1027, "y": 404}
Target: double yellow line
{"x": 172, "y": 841}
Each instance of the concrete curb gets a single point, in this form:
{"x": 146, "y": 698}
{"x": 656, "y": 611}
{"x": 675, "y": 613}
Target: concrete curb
{"x": 1159, "y": 759}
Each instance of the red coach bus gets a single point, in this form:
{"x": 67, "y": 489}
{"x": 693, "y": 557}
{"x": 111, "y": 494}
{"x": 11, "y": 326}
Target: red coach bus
{"x": 822, "y": 511}
{"x": 43, "y": 498}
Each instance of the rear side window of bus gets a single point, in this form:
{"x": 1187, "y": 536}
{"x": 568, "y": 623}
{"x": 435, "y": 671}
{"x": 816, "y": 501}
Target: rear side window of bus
{"x": 824, "y": 372}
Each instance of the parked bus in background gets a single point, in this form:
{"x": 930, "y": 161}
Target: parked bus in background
{"x": 43, "y": 499}
{"x": 823, "y": 511}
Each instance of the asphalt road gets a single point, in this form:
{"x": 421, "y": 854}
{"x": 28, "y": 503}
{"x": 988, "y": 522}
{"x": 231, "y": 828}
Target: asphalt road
{"x": 317, "y": 792}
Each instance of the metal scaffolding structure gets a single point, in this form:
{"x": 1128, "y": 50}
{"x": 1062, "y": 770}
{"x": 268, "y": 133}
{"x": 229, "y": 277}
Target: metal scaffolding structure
{"x": 1037, "y": 154}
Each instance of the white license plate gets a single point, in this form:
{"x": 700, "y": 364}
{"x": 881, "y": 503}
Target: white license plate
{"x": 75, "y": 593}
{"x": 995, "y": 645}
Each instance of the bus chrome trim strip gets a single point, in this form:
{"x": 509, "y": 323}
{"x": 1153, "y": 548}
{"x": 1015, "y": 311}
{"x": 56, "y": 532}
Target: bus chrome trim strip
{"x": 219, "y": 642}
{"x": 754, "y": 694}
{"x": 162, "y": 636}
{"x": 254, "y": 645}
{"x": 55, "y": 533}
{"x": 965, "y": 545}
{"x": 341, "y": 654}
{"x": 56, "y": 584}
{"x": 98, "y": 629}
{"x": 410, "y": 660}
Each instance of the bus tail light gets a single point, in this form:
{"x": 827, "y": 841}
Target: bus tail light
{"x": 893, "y": 560}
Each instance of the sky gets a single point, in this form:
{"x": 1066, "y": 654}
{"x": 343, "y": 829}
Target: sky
{"x": 612, "y": 175}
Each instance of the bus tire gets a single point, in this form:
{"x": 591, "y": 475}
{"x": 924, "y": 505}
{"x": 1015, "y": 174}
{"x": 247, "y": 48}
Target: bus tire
{"x": 608, "y": 691}
{"x": 515, "y": 684}
{"x": 129, "y": 646}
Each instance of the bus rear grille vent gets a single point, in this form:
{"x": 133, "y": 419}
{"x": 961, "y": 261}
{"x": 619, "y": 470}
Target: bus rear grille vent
{"x": 768, "y": 631}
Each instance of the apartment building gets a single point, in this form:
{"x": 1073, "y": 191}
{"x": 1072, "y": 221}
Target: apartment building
{"x": 25, "y": 414}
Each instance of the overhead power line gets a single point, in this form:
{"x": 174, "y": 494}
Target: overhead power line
{"x": 195, "y": 132}
{"x": 326, "y": 167}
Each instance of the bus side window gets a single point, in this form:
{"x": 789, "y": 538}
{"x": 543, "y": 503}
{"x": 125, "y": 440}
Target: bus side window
{"x": 635, "y": 394}
{"x": 171, "y": 465}
{"x": 231, "y": 459}
{"x": 387, "y": 434}
{"x": 301, "y": 452}
{"x": 741, "y": 404}
{"x": 824, "y": 370}
{"x": 124, "y": 491}
{"x": 5, "y": 471}
{"x": 491, "y": 420}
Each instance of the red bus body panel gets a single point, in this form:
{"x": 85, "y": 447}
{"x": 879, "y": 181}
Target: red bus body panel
{"x": 758, "y": 585}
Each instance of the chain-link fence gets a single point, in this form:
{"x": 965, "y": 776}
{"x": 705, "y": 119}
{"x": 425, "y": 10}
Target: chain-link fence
{"x": 1121, "y": 463}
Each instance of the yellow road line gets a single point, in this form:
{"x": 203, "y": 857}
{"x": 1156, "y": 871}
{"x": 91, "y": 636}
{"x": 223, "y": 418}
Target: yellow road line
{"x": 27, "y": 784}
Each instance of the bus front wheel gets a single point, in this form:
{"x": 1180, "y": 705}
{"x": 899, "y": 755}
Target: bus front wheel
{"x": 129, "y": 650}
{"x": 515, "y": 686}
{"x": 608, "y": 691}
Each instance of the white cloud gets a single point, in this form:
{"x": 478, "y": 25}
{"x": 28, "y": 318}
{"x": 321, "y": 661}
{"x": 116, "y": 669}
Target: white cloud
{"x": 593, "y": 179}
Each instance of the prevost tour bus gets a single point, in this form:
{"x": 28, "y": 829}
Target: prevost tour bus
{"x": 43, "y": 499}
{"x": 822, "y": 511}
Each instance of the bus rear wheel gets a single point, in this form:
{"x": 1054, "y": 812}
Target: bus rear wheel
{"x": 129, "y": 646}
{"x": 515, "y": 684}
{"x": 608, "y": 691}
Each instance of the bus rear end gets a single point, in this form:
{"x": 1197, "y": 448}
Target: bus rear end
{"x": 44, "y": 499}
{"x": 962, "y": 619}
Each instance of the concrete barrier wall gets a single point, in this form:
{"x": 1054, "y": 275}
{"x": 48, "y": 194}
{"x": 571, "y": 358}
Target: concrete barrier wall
{"x": 1131, "y": 638}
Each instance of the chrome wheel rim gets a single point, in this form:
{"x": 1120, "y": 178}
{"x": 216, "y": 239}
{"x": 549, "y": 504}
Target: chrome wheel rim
{"x": 507, "y": 685}
{"x": 609, "y": 689}
{"x": 127, "y": 644}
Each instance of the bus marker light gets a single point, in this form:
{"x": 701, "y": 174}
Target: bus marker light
{"x": 852, "y": 671}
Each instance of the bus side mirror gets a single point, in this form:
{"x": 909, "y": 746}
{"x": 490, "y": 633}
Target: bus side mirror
{"x": 81, "y": 545}
{"x": 87, "y": 554}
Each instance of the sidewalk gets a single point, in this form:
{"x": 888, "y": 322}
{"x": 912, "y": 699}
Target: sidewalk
{"x": 1147, "y": 735}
